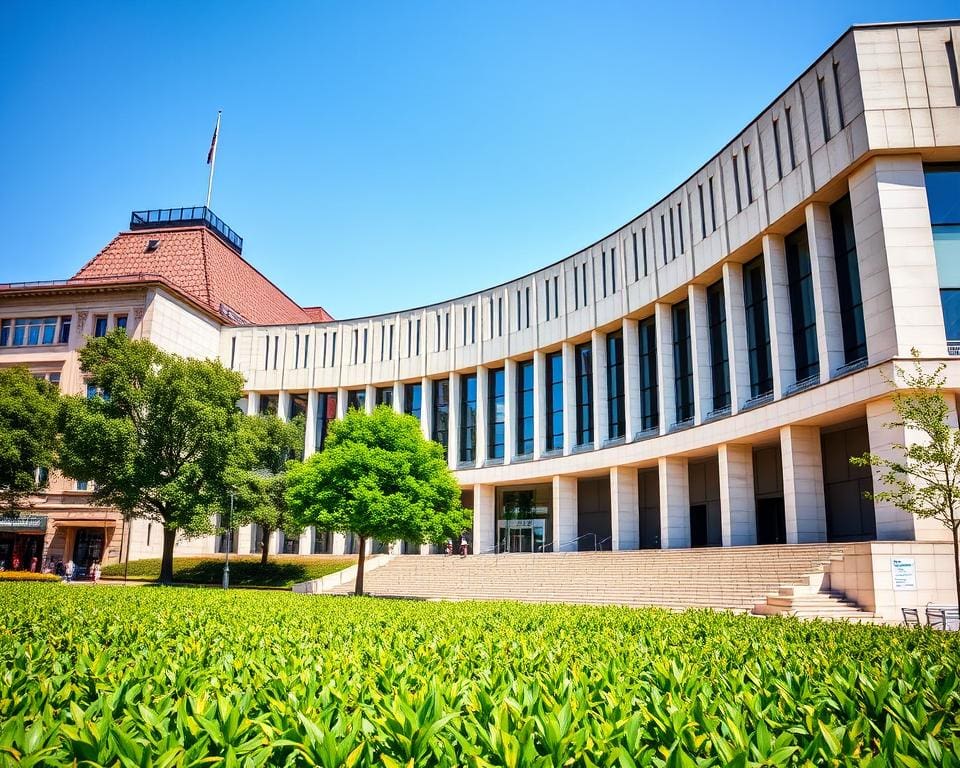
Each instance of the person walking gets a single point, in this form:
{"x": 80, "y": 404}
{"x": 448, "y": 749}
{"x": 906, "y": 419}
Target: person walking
{"x": 463, "y": 545}
{"x": 95, "y": 571}
{"x": 68, "y": 569}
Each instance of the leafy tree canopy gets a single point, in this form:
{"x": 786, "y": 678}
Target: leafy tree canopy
{"x": 266, "y": 449}
{"x": 157, "y": 441}
{"x": 378, "y": 477}
{"x": 28, "y": 428}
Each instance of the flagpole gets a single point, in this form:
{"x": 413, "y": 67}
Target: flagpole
{"x": 213, "y": 158}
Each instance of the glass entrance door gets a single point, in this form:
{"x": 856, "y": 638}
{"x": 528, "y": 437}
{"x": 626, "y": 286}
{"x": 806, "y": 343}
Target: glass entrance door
{"x": 88, "y": 547}
{"x": 521, "y": 535}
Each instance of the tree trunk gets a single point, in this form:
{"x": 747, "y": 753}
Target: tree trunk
{"x": 956, "y": 562}
{"x": 358, "y": 590}
{"x": 166, "y": 562}
{"x": 265, "y": 547}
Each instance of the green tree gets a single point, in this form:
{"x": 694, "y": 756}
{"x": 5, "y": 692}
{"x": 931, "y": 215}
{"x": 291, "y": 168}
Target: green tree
{"x": 924, "y": 479}
{"x": 378, "y": 478}
{"x": 266, "y": 450}
{"x": 28, "y": 429}
{"x": 157, "y": 442}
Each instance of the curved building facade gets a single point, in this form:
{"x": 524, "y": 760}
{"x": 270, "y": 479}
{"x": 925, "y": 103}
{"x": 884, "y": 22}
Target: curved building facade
{"x": 701, "y": 375}
{"x": 698, "y": 377}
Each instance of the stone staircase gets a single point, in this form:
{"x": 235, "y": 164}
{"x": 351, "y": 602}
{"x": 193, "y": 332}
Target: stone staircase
{"x": 762, "y": 579}
{"x": 814, "y": 601}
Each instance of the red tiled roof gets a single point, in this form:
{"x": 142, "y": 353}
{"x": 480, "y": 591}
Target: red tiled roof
{"x": 318, "y": 314}
{"x": 196, "y": 262}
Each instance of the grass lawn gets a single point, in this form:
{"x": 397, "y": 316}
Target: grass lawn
{"x": 245, "y": 570}
{"x": 141, "y": 676}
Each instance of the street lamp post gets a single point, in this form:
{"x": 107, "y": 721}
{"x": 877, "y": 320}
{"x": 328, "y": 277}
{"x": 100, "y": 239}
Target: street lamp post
{"x": 226, "y": 558}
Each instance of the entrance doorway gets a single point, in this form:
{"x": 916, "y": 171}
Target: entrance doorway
{"x": 521, "y": 535}
{"x": 771, "y": 521}
{"x": 698, "y": 525}
{"x": 88, "y": 547}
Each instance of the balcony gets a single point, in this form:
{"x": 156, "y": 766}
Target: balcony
{"x": 195, "y": 216}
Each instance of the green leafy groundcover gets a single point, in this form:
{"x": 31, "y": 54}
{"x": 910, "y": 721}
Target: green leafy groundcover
{"x": 245, "y": 571}
{"x": 169, "y": 677}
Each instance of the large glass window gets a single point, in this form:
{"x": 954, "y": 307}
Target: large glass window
{"x": 525, "y": 396}
{"x": 719, "y": 361}
{"x": 758, "y": 329}
{"x": 269, "y": 405}
{"x": 554, "y": 381}
{"x": 384, "y": 396}
{"x": 296, "y": 405}
{"x": 649, "y": 394}
{"x": 802, "y": 312}
{"x": 441, "y": 410}
{"x": 616, "y": 418}
{"x": 326, "y": 412}
{"x": 682, "y": 362}
{"x": 468, "y": 418}
{"x": 943, "y": 196}
{"x": 583, "y": 363}
{"x": 412, "y": 399}
{"x": 100, "y": 326}
{"x": 848, "y": 281}
{"x": 496, "y": 413}
{"x": 29, "y": 331}
{"x": 356, "y": 398}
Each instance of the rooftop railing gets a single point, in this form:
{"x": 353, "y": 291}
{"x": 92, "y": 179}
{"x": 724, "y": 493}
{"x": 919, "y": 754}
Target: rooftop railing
{"x": 187, "y": 217}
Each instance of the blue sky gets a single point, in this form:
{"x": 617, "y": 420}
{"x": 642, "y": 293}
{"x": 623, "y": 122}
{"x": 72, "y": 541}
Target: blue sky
{"x": 376, "y": 156}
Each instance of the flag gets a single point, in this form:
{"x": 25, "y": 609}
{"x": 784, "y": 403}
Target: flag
{"x": 213, "y": 142}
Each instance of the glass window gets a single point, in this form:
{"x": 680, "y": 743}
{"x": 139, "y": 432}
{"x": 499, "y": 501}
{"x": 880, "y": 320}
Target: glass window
{"x": 65, "y": 323}
{"x": 121, "y": 323}
{"x": 5, "y": 326}
{"x": 804, "y": 317}
{"x": 943, "y": 193}
{"x": 412, "y": 399}
{"x": 649, "y": 393}
{"x": 583, "y": 373}
{"x": 31, "y": 331}
{"x": 943, "y": 196}
{"x": 758, "y": 329}
{"x": 468, "y": 418}
{"x": 719, "y": 362}
{"x": 525, "y": 408}
{"x": 326, "y": 412}
{"x": 297, "y": 405}
{"x": 848, "y": 281}
{"x": 496, "y": 413}
{"x": 682, "y": 362}
{"x": 100, "y": 326}
{"x": 441, "y": 410}
{"x": 82, "y": 485}
{"x": 269, "y": 405}
{"x": 554, "y": 393}
{"x": 616, "y": 418}
{"x": 384, "y": 396}
{"x": 356, "y": 398}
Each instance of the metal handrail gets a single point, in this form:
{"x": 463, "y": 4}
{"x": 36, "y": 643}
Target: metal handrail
{"x": 602, "y": 542}
{"x": 572, "y": 541}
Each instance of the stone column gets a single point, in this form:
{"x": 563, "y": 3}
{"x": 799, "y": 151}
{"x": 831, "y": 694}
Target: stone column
{"x": 736, "y": 335}
{"x": 738, "y": 509}
{"x": 426, "y": 407}
{"x": 243, "y": 540}
{"x": 624, "y": 508}
{"x": 453, "y": 421}
{"x": 283, "y": 405}
{"x": 341, "y": 402}
{"x": 700, "y": 352}
{"x": 338, "y": 544}
{"x": 510, "y": 409}
{"x": 898, "y": 266}
{"x": 569, "y": 398}
{"x": 253, "y": 403}
{"x": 674, "y": 502}
{"x": 631, "y": 377}
{"x": 484, "y": 518}
{"x": 665, "y": 375}
{"x": 826, "y": 297}
{"x": 369, "y": 398}
{"x": 564, "y": 510}
{"x": 398, "y": 396}
{"x": 778, "y": 314}
{"x": 482, "y": 416}
{"x": 598, "y": 342}
{"x": 893, "y": 524}
{"x": 804, "y": 509}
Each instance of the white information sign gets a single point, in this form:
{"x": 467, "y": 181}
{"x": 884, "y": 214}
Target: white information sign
{"x": 904, "y": 572}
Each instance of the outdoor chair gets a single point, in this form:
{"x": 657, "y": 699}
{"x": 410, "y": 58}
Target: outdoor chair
{"x": 911, "y": 617}
{"x": 943, "y": 617}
